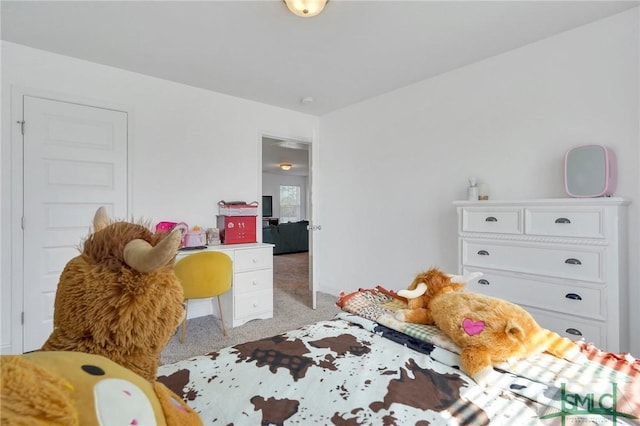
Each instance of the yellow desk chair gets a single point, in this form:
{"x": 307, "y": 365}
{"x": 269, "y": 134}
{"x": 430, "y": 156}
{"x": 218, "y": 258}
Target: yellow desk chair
{"x": 204, "y": 275}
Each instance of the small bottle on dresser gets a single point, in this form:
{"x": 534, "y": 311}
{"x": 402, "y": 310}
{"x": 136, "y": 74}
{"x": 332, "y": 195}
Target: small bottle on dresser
{"x": 473, "y": 189}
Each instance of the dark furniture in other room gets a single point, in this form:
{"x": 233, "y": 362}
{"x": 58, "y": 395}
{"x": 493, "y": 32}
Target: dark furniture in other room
{"x": 289, "y": 237}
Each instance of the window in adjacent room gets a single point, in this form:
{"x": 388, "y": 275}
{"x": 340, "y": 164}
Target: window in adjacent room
{"x": 289, "y": 203}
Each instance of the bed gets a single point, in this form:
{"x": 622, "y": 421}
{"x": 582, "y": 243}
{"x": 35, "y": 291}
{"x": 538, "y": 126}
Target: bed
{"x": 365, "y": 368}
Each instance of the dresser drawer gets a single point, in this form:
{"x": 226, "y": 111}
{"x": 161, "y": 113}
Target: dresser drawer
{"x": 252, "y": 304}
{"x": 502, "y": 221}
{"x": 244, "y": 282}
{"x": 571, "y": 327}
{"x": 522, "y": 290}
{"x": 587, "y": 223}
{"x": 255, "y": 258}
{"x": 553, "y": 260}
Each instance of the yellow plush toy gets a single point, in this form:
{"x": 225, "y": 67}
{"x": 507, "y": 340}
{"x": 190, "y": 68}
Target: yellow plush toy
{"x": 120, "y": 298}
{"x": 488, "y": 330}
{"x": 74, "y": 388}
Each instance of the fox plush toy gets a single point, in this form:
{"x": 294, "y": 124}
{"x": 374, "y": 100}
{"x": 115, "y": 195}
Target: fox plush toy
{"x": 488, "y": 330}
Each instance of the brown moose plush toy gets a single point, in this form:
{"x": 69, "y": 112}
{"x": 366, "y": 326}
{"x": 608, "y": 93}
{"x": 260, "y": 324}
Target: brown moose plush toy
{"x": 120, "y": 297}
{"x": 488, "y": 330}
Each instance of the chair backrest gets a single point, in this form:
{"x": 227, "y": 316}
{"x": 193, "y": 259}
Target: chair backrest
{"x": 204, "y": 274}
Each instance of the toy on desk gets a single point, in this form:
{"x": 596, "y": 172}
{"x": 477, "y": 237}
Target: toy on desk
{"x": 166, "y": 226}
{"x": 195, "y": 238}
{"x": 213, "y": 237}
{"x": 75, "y": 388}
{"x": 192, "y": 238}
{"x": 120, "y": 298}
{"x": 488, "y": 330}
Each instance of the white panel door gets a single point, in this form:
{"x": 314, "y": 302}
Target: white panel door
{"x": 75, "y": 160}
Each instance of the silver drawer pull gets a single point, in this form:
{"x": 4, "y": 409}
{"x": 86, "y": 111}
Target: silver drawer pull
{"x": 562, "y": 220}
{"x": 573, "y": 296}
{"x": 483, "y": 253}
{"x": 483, "y": 282}
{"x": 491, "y": 219}
{"x": 572, "y": 261}
{"x": 574, "y": 331}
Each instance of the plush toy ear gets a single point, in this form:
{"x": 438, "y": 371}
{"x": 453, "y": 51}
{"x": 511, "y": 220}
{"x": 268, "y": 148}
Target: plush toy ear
{"x": 514, "y": 331}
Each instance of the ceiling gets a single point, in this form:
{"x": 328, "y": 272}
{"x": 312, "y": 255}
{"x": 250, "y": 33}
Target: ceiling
{"x": 276, "y": 152}
{"x": 258, "y": 50}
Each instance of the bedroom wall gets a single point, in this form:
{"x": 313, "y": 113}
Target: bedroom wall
{"x": 390, "y": 166}
{"x": 190, "y": 147}
{"x": 393, "y": 165}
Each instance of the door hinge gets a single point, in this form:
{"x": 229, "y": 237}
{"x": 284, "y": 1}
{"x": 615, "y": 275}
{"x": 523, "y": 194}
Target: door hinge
{"x": 22, "y": 318}
{"x": 22, "y": 222}
{"x": 21, "y": 123}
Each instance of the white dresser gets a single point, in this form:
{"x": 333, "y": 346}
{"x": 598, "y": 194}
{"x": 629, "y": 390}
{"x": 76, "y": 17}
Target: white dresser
{"x": 251, "y": 294}
{"x": 563, "y": 260}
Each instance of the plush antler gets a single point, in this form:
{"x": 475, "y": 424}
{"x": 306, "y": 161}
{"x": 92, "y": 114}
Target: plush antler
{"x": 143, "y": 257}
{"x": 420, "y": 289}
{"x": 100, "y": 220}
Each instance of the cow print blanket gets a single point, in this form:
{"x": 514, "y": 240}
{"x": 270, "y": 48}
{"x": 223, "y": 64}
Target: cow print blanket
{"x": 340, "y": 373}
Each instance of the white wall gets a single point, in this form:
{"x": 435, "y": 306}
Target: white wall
{"x": 190, "y": 147}
{"x": 391, "y": 166}
{"x": 271, "y": 186}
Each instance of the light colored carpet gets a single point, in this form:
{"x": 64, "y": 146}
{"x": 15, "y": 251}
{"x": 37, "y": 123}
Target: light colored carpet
{"x": 291, "y": 303}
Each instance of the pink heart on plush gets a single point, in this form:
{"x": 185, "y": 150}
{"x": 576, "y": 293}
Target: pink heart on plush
{"x": 472, "y": 327}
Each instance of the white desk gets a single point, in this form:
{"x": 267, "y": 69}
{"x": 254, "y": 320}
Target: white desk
{"x": 251, "y": 294}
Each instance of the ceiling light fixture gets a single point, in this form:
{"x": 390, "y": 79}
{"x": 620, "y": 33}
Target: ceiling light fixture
{"x": 285, "y": 166}
{"x": 305, "y": 8}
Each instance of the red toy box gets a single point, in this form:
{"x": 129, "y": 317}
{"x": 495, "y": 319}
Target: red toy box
{"x": 237, "y": 229}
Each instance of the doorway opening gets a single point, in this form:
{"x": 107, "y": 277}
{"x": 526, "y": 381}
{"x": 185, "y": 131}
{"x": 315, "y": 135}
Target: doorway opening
{"x": 286, "y": 215}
